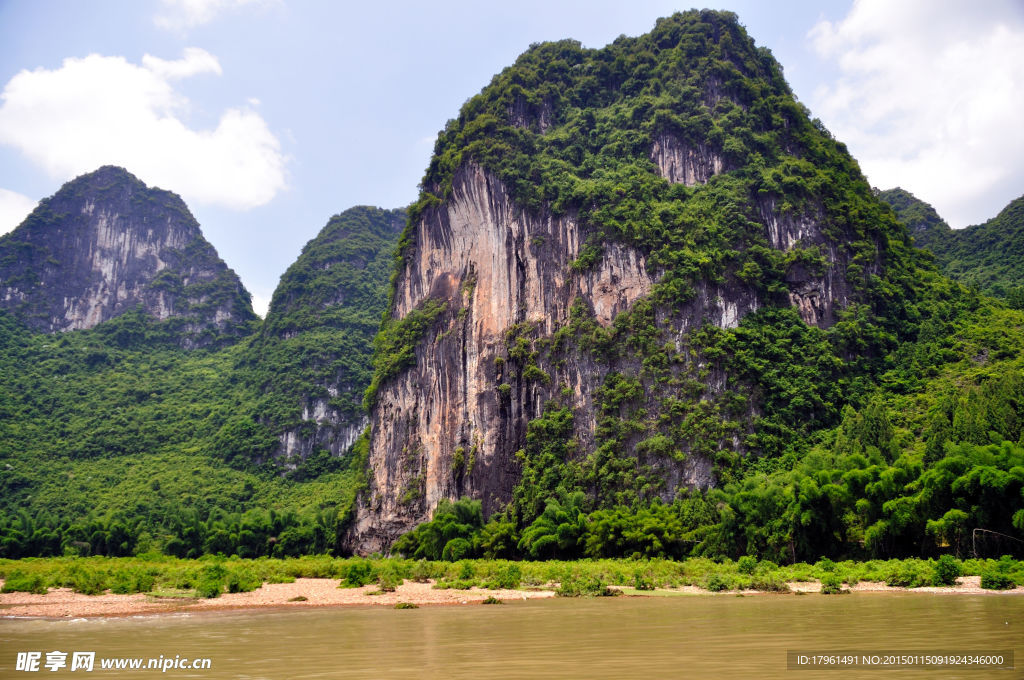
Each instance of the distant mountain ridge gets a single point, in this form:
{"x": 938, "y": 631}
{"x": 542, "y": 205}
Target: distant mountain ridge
{"x": 106, "y": 244}
{"x": 988, "y": 255}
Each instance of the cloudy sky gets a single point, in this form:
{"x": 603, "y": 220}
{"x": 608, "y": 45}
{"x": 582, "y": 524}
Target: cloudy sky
{"x": 269, "y": 116}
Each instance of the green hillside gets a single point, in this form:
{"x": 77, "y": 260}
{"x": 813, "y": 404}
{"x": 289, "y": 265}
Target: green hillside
{"x": 114, "y": 440}
{"x": 989, "y": 256}
{"x": 853, "y": 438}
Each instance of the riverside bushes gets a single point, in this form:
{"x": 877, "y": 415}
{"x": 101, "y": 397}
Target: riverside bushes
{"x": 211, "y": 577}
{"x": 946, "y": 571}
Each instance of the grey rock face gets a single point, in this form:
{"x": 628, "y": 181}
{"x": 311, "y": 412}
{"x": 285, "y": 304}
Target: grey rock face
{"x": 106, "y": 244}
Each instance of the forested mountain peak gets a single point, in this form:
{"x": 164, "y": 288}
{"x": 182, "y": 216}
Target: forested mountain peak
{"x": 925, "y": 225}
{"x": 609, "y": 232}
{"x": 312, "y": 359}
{"x": 106, "y": 244}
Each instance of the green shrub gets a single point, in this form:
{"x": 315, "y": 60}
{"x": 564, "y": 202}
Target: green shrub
{"x": 87, "y": 581}
{"x": 825, "y": 565}
{"x": 746, "y": 564}
{"x": 210, "y": 583}
{"x": 465, "y": 571}
{"x": 997, "y": 576}
{"x": 454, "y": 584}
{"x": 717, "y": 582}
{"x": 421, "y": 571}
{"x": 641, "y": 582}
{"x": 19, "y": 582}
{"x": 993, "y": 579}
{"x": 406, "y": 605}
{"x": 506, "y": 577}
{"x": 388, "y": 578}
{"x": 591, "y": 586}
{"x": 357, "y": 573}
{"x": 456, "y": 549}
{"x": 492, "y": 600}
{"x": 831, "y": 584}
{"x": 242, "y": 581}
{"x": 122, "y": 582}
{"x": 909, "y": 574}
{"x": 946, "y": 570}
{"x": 770, "y": 583}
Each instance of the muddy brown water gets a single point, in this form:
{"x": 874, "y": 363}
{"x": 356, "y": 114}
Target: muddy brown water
{"x": 669, "y": 637}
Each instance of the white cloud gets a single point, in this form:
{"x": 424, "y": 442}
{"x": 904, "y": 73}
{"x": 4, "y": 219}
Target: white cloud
{"x": 14, "y": 208}
{"x": 930, "y": 98}
{"x": 104, "y": 110}
{"x": 180, "y": 15}
{"x": 194, "y": 62}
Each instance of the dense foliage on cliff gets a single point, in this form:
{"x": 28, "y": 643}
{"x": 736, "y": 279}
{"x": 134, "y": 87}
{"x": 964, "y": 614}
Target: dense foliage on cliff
{"x": 989, "y": 256}
{"x": 846, "y": 439}
{"x": 896, "y": 429}
{"x": 571, "y": 130}
{"x": 115, "y": 441}
{"x": 112, "y": 442}
{"x": 317, "y": 340}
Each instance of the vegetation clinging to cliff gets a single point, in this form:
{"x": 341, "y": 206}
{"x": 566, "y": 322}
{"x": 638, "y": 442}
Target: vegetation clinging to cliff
{"x": 569, "y": 129}
{"x": 323, "y": 318}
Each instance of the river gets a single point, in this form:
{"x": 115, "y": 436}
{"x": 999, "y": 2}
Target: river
{"x": 655, "y": 637}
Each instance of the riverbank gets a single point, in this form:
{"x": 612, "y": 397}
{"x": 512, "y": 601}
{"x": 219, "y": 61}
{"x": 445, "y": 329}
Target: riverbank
{"x": 102, "y": 586}
{"x": 323, "y": 592}
{"x": 303, "y": 592}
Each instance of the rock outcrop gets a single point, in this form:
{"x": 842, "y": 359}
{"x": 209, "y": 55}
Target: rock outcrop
{"x": 496, "y": 267}
{"x": 106, "y": 244}
{"x": 592, "y": 224}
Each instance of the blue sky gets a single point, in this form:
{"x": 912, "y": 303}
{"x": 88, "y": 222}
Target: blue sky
{"x": 269, "y": 116}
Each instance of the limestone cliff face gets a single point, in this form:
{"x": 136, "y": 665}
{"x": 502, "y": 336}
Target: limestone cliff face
{"x": 315, "y": 349}
{"x": 106, "y": 244}
{"x": 494, "y": 266}
{"x": 818, "y": 295}
{"x": 681, "y": 163}
{"x": 443, "y": 429}
{"x": 592, "y": 227}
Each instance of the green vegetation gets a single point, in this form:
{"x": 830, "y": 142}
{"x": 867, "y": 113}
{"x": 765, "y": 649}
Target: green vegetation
{"x": 212, "y": 576}
{"x": 118, "y": 450}
{"x": 114, "y": 441}
{"x": 831, "y": 584}
{"x": 893, "y": 432}
{"x": 947, "y": 570}
{"x": 317, "y": 340}
{"x": 999, "y": 576}
{"x": 989, "y": 256}
{"x": 916, "y": 475}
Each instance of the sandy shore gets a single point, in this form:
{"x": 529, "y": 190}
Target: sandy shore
{"x": 63, "y": 602}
